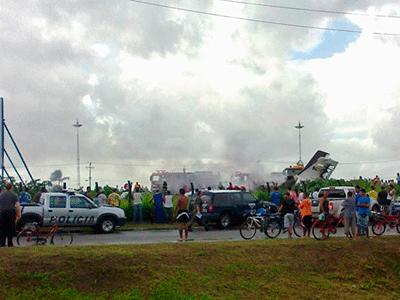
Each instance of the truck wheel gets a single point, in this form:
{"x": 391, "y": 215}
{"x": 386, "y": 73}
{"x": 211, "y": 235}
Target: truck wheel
{"x": 23, "y": 221}
{"x": 107, "y": 225}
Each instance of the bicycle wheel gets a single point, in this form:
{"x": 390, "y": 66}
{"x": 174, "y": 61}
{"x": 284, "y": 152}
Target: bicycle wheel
{"x": 272, "y": 229}
{"x": 298, "y": 228}
{"x": 378, "y": 228}
{"x": 27, "y": 238}
{"x": 62, "y": 238}
{"x": 320, "y": 231}
{"x": 248, "y": 229}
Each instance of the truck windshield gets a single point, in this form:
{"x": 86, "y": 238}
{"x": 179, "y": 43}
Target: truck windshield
{"x": 80, "y": 202}
{"x": 58, "y": 202}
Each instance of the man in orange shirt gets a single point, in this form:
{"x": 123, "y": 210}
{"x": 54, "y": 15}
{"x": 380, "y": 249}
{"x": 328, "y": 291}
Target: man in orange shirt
{"x": 306, "y": 215}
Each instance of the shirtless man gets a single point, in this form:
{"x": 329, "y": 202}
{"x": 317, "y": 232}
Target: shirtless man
{"x": 182, "y": 215}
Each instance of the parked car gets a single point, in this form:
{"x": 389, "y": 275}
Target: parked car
{"x": 226, "y": 207}
{"x": 336, "y": 195}
{"x": 70, "y": 209}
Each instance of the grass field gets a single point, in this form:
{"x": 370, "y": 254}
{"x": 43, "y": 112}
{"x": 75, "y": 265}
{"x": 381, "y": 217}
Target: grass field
{"x": 270, "y": 269}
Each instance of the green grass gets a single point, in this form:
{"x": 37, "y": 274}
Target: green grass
{"x": 273, "y": 269}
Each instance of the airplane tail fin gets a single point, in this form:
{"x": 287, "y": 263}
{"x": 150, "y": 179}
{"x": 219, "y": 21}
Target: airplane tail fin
{"x": 319, "y": 166}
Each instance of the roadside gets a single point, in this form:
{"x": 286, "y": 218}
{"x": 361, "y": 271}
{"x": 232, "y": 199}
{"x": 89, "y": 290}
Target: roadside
{"x": 236, "y": 270}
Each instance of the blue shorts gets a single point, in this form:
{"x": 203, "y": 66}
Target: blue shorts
{"x": 362, "y": 220}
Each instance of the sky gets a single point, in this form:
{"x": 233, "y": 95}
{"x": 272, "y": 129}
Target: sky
{"x": 163, "y": 89}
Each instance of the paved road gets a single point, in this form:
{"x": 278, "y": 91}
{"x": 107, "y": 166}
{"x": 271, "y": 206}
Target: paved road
{"x": 169, "y": 236}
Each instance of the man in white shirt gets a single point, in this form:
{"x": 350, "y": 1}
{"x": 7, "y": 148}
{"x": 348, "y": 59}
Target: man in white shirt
{"x": 168, "y": 207}
{"x": 137, "y": 206}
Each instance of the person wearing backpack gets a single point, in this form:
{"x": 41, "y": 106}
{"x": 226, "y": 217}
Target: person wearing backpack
{"x": 287, "y": 209}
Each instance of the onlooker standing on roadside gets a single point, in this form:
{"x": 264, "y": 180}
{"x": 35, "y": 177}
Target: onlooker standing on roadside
{"x": 358, "y": 193}
{"x": 25, "y": 197}
{"x": 137, "y": 206}
{"x": 38, "y": 195}
{"x": 376, "y": 180}
{"x": 276, "y": 197}
{"x": 382, "y": 199}
{"x": 306, "y": 215}
{"x": 390, "y": 198}
{"x": 114, "y": 199}
{"x": 182, "y": 215}
{"x": 197, "y": 211}
{"x": 8, "y": 211}
{"x": 363, "y": 213}
{"x": 398, "y": 178}
{"x": 324, "y": 205}
{"x": 373, "y": 195}
{"x": 88, "y": 193}
{"x": 101, "y": 198}
{"x": 349, "y": 215}
{"x": 168, "y": 206}
{"x": 301, "y": 195}
{"x": 287, "y": 210}
{"x": 293, "y": 195}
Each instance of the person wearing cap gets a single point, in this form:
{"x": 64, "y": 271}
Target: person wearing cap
{"x": 9, "y": 209}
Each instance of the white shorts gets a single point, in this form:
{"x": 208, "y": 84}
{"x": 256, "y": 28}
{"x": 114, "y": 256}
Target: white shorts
{"x": 288, "y": 220}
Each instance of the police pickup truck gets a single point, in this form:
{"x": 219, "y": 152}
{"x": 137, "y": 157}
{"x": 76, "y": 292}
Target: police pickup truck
{"x": 70, "y": 209}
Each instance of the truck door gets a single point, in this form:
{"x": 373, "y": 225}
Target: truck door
{"x": 81, "y": 212}
{"x": 56, "y": 210}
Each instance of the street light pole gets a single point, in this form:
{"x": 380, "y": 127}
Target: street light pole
{"x": 299, "y": 127}
{"x": 90, "y": 174}
{"x": 77, "y": 125}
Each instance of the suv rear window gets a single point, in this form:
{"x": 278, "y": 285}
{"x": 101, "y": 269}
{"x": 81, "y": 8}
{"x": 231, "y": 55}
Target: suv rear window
{"x": 248, "y": 198}
{"x": 333, "y": 194}
{"x": 222, "y": 199}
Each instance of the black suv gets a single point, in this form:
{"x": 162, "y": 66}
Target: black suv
{"x": 225, "y": 207}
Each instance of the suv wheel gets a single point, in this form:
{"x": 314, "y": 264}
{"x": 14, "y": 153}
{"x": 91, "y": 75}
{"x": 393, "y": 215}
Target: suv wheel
{"x": 107, "y": 225}
{"x": 225, "y": 220}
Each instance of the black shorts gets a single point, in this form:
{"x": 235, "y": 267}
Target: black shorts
{"x": 182, "y": 216}
{"x": 307, "y": 221}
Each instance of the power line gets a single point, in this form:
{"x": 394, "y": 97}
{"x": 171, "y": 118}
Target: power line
{"x": 261, "y": 21}
{"x": 312, "y": 9}
{"x": 370, "y": 162}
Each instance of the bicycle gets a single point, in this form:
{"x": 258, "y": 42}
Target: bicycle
{"x": 381, "y": 221}
{"x": 274, "y": 225}
{"x": 33, "y": 234}
{"x": 253, "y": 222}
{"x": 321, "y": 229}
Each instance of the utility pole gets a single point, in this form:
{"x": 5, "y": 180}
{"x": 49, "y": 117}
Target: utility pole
{"x": 77, "y": 125}
{"x": 299, "y": 127}
{"x": 90, "y": 174}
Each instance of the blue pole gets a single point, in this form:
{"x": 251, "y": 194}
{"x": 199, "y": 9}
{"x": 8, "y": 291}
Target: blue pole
{"x": 15, "y": 169}
{"x": 2, "y": 136}
{"x": 8, "y": 175}
{"x": 19, "y": 153}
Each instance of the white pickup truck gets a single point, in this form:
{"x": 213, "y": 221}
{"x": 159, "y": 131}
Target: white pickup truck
{"x": 336, "y": 196}
{"x": 70, "y": 209}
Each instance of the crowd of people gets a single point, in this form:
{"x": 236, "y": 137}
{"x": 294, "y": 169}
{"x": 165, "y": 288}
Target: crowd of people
{"x": 355, "y": 207}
